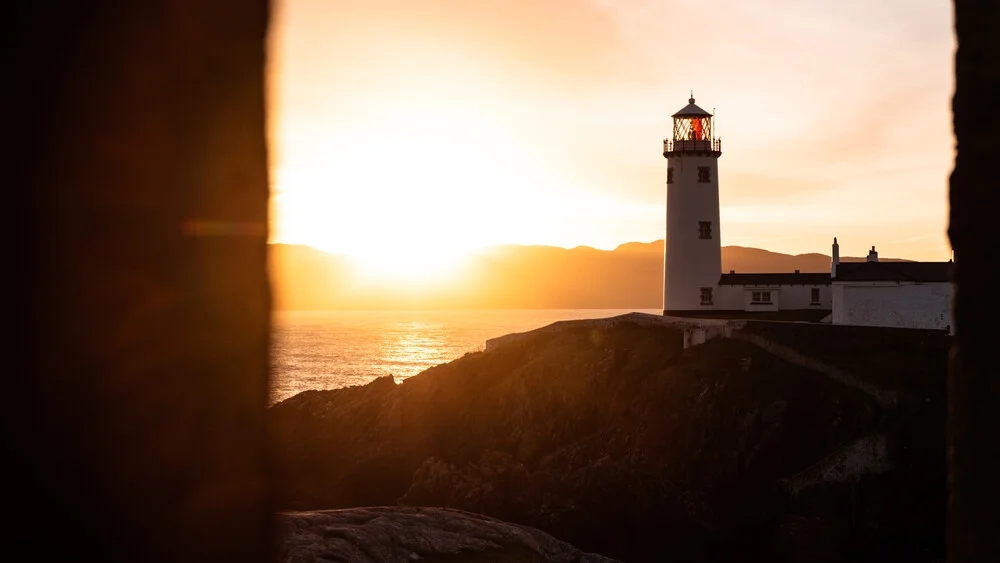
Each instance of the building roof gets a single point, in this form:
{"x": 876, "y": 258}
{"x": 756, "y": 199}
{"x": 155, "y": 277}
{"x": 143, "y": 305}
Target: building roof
{"x": 691, "y": 110}
{"x": 895, "y": 271}
{"x": 775, "y": 279}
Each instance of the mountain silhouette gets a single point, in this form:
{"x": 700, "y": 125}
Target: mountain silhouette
{"x": 513, "y": 276}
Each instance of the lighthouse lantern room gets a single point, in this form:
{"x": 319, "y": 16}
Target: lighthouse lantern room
{"x": 693, "y": 130}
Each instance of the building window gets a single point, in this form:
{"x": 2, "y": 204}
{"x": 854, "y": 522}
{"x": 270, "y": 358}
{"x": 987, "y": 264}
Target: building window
{"x": 814, "y": 298}
{"x": 670, "y": 175}
{"x": 704, "y": 229}
{"x": 704, "y": 175}
{"x": 706, "y": 296}
{"x": 760, "y": 298}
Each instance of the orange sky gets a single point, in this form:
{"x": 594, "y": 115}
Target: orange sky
{"x": 399, "y": 126}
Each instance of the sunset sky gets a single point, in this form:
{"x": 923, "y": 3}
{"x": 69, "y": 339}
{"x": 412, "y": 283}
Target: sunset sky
{"x": 419, "y": 129}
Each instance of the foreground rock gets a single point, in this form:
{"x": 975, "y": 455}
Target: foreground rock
{"x": 787, "y": 442}
{"x": 406, "y": 535}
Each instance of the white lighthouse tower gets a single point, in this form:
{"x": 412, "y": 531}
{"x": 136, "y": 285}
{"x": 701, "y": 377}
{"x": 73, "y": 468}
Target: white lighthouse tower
{"x": 692, "y": 254}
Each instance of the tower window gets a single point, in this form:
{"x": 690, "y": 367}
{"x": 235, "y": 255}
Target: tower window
{"x": 704, "y": 229}
{"x": 814, "y": 298}
{"x": 670, "y": 175}
{"x": 704, "y": 174}
{"x": 706, "y": 296}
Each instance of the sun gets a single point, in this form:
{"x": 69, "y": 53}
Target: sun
{"x": 408, "y": 182}
{"x": 406, "y": 199}
{"x": 425, "y": 269}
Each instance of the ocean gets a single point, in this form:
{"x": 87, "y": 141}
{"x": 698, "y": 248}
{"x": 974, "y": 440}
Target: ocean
{"x": 332, "y": 349}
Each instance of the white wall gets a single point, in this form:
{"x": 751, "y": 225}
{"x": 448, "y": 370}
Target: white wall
{"x": 690, "y": 262}
{"x": 795, "y": 297}
{"x": 783, "y": 297}
{"x": 903, "y": 305}
{"x": 730, "y": 297}
{"x": 773, "y": 305}
{"x": 837, "y": 316}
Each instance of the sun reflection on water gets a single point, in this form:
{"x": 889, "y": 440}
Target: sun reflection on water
{"x": 331, "y": 349}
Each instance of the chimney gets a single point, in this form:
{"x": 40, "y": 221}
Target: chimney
{"x": 732, "y": 271}
{"x": 836, "y": 258}
{"x": 796, "y": 271}
{"x": 872, "y": 255}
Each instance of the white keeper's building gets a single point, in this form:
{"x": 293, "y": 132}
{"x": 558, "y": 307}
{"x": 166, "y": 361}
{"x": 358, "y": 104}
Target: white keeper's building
{"x": 872, "y": 293}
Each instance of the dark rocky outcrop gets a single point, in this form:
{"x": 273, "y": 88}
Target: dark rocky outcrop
{"x": 406, "y": 535}
{"x": 613, "y": 437}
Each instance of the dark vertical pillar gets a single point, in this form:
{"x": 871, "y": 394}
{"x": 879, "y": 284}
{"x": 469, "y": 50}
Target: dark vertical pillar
{"x": 974, "y": 380}
{"x": 136, "y": 218}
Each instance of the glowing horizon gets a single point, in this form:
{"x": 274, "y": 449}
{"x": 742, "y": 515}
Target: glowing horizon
{"x": 450, "y": 126}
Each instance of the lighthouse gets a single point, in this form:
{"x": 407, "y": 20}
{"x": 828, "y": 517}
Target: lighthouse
{"x": 871, "y": 293}
{"x": 692, "y": 259}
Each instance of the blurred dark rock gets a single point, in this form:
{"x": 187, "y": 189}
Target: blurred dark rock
{"x": 973, "y": 389}
{"x": 406, "y": 535}
{"x": 137, "y": 174}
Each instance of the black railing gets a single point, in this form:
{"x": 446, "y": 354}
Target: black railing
{"x": 711, "y": 146}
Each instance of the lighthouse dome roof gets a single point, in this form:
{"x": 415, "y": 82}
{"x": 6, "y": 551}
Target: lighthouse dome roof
{"x": 691, "y": 110}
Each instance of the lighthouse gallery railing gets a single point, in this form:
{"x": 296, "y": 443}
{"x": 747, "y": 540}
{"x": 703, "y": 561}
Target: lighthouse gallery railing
{"x": 670, "y": 145}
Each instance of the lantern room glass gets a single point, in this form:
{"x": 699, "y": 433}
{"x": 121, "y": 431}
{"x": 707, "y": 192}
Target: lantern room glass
{"x": 692, "y": 128}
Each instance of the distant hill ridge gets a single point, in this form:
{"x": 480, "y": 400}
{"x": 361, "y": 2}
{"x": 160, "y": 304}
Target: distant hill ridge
{"x": 516, "y": 276}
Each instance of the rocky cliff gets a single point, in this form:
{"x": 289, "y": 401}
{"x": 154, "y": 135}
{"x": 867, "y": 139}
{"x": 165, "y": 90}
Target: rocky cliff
{"x": 789, "y": 441}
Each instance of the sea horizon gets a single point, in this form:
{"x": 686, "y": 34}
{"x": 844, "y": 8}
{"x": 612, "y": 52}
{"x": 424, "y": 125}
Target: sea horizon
{"x": 330, "y": 349}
